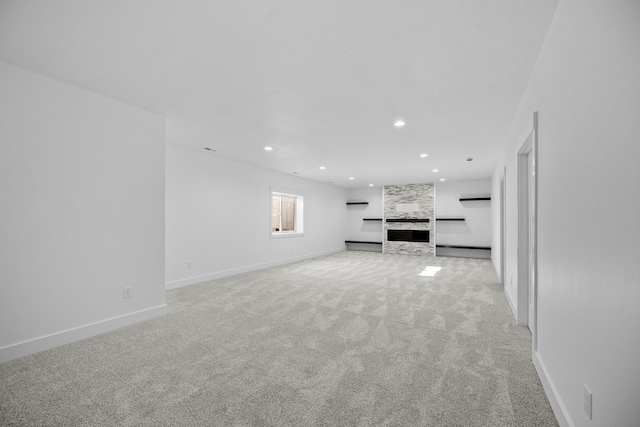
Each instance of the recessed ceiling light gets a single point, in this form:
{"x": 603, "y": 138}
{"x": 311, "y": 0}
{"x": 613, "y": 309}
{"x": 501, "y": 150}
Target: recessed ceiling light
{"x": 423, "y": 155}
{"x": 398, "y": 123}
{"x": 370, "y": 185}
{"x": 322, "y": 167}
{"x": 352, "y": 177}
{"x": 469, "y": 159}
{"x": 435, "y": 170}
{"x": 441, "y": 179}
{"x": 268, "y": 148}
{"x": 209, "y": 149}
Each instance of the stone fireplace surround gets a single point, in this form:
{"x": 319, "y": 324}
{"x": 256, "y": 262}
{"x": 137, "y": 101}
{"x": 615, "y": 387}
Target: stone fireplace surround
{"x": 409, "y": 207}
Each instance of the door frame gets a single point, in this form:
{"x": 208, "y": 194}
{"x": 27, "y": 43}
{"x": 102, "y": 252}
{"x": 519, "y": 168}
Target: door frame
{"x": 525, "y": 288}
{"x": 503, "y": 227}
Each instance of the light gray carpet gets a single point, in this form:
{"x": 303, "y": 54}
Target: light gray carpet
{"x": 351, "y": 339}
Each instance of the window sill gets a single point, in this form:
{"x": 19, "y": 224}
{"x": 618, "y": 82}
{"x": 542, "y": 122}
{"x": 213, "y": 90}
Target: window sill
{"x": 284, "y": 235}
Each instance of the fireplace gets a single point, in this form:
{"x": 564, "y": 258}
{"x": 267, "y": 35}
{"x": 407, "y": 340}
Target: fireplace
{"x": 408, "y": 235}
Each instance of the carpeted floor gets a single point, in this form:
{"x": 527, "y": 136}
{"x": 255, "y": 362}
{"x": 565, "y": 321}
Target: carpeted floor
{"x": 351, "y": 339}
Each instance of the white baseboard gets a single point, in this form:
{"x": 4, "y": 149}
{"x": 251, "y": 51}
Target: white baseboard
{"x": 550, "y": 390}
{"x": 231, "y": 272}
{"x": 25, "y": 348}
{"x": 514, "y": 308}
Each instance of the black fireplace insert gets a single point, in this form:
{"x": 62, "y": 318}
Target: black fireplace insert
{"x": 408, "y": 235}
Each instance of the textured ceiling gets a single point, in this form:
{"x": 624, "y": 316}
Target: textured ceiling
{"x": 322, "y": 82}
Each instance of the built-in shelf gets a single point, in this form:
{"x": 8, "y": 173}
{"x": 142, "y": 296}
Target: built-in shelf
{"x": 357, "y": 203}
{"x": 464, "y": 247}
{"x": 481, "y": 250}
{"x": 372, "y": 219}
{"x": 407, "y": 220}
{"x": 363, "y": 241}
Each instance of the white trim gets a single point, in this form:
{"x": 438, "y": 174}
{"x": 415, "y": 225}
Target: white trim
{"x": 559, "y": 409}
{"x": 284, "y": 234}
{"x": 523, "y": 231}
{"x": 535, "y": 230}
{"x": 233, "y": 271}
{"x": 512, "y": 303}
{"x": 503, "y": 228}
{"x": 36, "y": 345}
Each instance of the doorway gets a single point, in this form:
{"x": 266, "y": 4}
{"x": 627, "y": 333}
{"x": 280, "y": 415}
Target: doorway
{"x": 527, "y": 234}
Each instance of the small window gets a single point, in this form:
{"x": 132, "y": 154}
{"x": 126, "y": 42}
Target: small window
{"x": 286, "y": 214}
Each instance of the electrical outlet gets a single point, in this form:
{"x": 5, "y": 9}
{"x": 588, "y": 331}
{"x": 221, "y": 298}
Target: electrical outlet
{"x": 189, "y": 264}
{"x": 588, "y": 401}
{"x": 126, "y": 293}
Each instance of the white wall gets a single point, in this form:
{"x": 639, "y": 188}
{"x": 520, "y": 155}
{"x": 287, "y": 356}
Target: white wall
{"x": 476, "y": 229}
{"x": 82, "y": 194}
{"x": 585, "y": 87}
{"x": 357, "y": 229}
{"x": 218, "y": 217}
